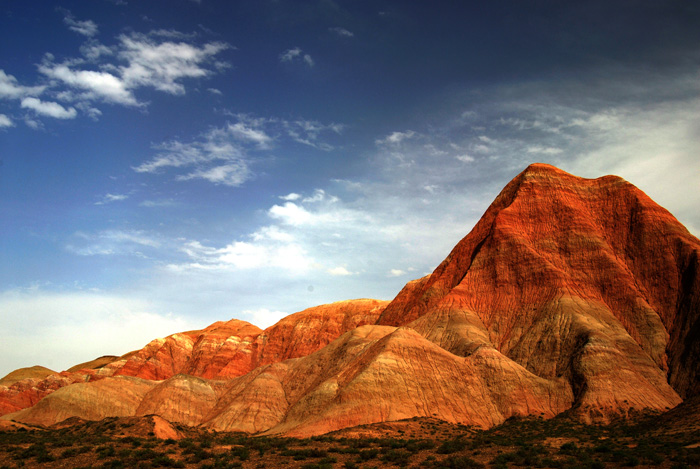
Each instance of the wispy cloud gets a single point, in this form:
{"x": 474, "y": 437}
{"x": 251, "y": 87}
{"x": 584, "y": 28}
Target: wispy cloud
{"x": 158, "y": 203}
{"x": 11, "y": 89}
{"x": 162, "y": 65}
{"x": 108, "y": 198}
{"x": 86, "y": 27}
{"x": 5, "y": 121}
{"x": 342, "y": 32}
{"x": 308, "y": 132}
{"x": 296, "y": 54}
{"x": 112, "y": 242}
{"x": 395, "y": 138}
{"x": 162, "y": 60}
{"x": 218, "y": 156}
{"x": 223, "y": 155}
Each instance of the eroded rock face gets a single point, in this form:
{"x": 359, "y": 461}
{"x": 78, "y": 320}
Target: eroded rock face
{"x": 117, "y": 396}
{"x": 586, "y": 280}
{"x": 221, "y": 351}
{"x": 568, "y": 295}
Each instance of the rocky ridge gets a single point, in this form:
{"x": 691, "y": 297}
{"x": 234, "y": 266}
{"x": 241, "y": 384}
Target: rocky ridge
{"x": 569, "y": 295}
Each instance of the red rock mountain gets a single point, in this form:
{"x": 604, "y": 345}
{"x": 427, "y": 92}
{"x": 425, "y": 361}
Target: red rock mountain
{"x": 569, "y": 294}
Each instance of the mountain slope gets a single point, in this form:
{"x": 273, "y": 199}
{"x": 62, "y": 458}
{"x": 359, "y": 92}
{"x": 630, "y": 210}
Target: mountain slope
{"x": 583, "y": 279}
{"x": 569, "y": 295}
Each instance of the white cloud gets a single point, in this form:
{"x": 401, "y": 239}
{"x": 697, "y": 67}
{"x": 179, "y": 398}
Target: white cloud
{"x": 11, "y": 89}
{"x": 231, "y": 174}
{"x": 93, "y": 50}
{"x": 162, "y": 65}
{"x": 219, "y": 156}
{"x": 215, "y": 91}
{"x": 339, "y": 271}
{"x": 112, "y": 242}
{"x": 538, "y": 149}
{"x": 291, "y": 197}
{"x": 33, "y": 124}
{"x": 223, "y": 155}
{"x": 244, "y": 255}
{"x": 144, "y": 61}
{"x": 307, "y": 132}
{"x": 108, "y": 198}
{"x": 465, "y": 158}
{"x": 48, "y": 108}
{"x": 395, "y": 138}
{"x": 96, "y": 85}
{"x": 273, "y": 233}
{"x": 86, "y": 28}
{"x": 290, "y": 54}
{"x": 59, "y": 329}
{"x": 290, "y": 214}
{"x": 250, "y": 130}
{"x": 341, "y": 32}
{"x": 294, "y": 54}
{"x": 319, "y": 196}
{"x": 158, "y": 203}
{"x": 396, "y": 273}
{"x": 5, "y": 121}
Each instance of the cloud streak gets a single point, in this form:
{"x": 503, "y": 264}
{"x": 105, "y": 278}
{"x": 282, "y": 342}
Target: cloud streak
{"x": 86, "y": 28}
{"x": 296, "y": 55}
{"x": 224, "y": 155}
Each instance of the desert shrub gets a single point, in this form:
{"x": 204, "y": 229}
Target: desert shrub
{"x": 114, "y": 464}
{"x": 361, "y": 443}
{"x": 305, "y": 453}
{"x": 69, "y": 453}
{"x": 135, "y": 442}
{"x": 144, "y": 454}
{"x": 37, "y": 451}
{"x": 164, "y": 461}
{"x": 398, "y": 457}
{"x": 186, "y": 444}
{"x": 317, "y": 466}
{"x": 124, "y": 453}
{"x": 569, "y": 448}
{"x": 199, "y": 455}
{"x": 451, "y": 446}
{"x": 367, "y": 454}
{"x": 241, "y": 452}
{"x": 456, "y": 462}
{"x": 419, "y": 445}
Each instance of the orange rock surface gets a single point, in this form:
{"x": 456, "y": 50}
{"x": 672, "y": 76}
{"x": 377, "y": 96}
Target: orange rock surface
{"x": 222, "y": 350}
{"x": 570, "y": 294}
{"x": 587, "y": 280}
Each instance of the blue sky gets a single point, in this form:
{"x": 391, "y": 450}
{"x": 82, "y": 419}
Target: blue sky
{"x": 168, "y": 164}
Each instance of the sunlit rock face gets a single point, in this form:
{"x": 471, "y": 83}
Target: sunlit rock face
{"x": 582, "y": 279}
{"x": 570, "y": 294}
